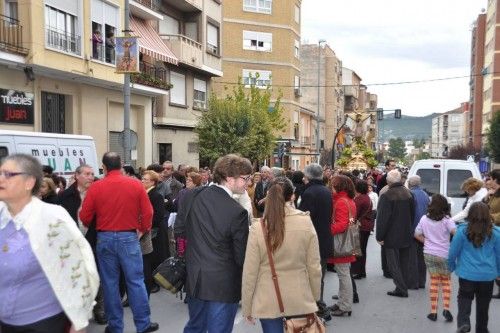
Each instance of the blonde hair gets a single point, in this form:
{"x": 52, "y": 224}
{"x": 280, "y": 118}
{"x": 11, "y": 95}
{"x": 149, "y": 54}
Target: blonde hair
{"x": 472, "y": 185}
{"x": 153, "y": 175}
{"x": 50, "y": 184}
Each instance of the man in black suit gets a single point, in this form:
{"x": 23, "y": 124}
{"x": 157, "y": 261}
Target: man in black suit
{"x": 216, "y": 229}
{"x": 261, "y": 189}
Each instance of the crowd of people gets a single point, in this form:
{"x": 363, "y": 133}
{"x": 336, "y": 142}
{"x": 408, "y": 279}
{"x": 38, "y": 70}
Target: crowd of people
{"x": 249, "y": 238}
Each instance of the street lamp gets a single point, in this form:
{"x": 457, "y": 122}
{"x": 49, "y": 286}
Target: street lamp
{"x": 317, "y": 114}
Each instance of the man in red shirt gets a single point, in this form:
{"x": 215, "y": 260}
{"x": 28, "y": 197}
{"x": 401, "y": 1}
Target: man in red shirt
{"x": 123, "y": 214}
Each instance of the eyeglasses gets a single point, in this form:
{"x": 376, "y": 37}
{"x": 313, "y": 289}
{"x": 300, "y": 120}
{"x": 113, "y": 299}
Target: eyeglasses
{"x": 9, "y": 175}
{"x": 246, "y": 178}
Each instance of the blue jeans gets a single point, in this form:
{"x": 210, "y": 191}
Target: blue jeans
{"x": 211, "y": 317}
{"x": 117, "y": 250}
{"x": 272, "y": 325}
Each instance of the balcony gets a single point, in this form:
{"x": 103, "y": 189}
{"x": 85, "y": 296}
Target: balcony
{"x": 146, "y": 9}
{"x": 11, "y": 36}
{"x": 62, "y": 41}
{"x": 305, "y": 140}
{"x": 103, "y": 53}
{"x": 188, "y": 51}
{"x": 186, "y": 6}
{"x": 151, "y": 76}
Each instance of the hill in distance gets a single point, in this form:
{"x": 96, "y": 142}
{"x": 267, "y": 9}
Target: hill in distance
{"x": 408, "y": 127}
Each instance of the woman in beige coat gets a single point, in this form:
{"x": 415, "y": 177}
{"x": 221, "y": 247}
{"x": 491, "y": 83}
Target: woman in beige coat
{"x": 294, "y": 244}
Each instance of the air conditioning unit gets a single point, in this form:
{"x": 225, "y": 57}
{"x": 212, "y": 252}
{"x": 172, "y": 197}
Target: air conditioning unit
{"x": 199, "y": 105}
{"x": 298, "y": 93}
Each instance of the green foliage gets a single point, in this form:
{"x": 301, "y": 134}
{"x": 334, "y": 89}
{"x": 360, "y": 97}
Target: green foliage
{"x": 358, "y": 147}
{"x": 419, "y": 143}
{"x": 493, "y": 136}
{"x": 242, "y": 123}
{"x": 397, "y": 148}
{"x": 423, "y": 156}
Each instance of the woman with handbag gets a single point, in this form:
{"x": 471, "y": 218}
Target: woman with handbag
{"x": 344, "y": 212}
{"x": 279, "y": 262}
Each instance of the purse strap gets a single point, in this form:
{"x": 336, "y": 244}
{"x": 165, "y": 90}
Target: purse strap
{"x": 271, "y": 263}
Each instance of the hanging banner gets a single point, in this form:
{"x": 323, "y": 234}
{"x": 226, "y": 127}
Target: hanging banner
{"x": 127, "y": 55}
{"x": 16, "y": 107}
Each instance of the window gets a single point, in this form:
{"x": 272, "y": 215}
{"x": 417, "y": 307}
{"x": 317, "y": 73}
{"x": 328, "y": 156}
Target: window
{"x": 61, "y": 30}
{"x": 454, "y": 182}
{"x": 258, "y": 41}
{"x": 296, "y": 82}
{"x": 169, "y": 26}
{"x": 297, "y": 14}
{"x": 261, "y": 79}
{"x": 200, "y": 94}
{"x": 259, "y": 6}
{"x": 297, "y": 49}
{"x": 212, "y": 39}
{"x": 104, "y": 25}
{"x": 11, "y": 9}
{"x": 164, "y": 152}
{"x": 431, "y": 180}
{"x": 53, "y": 112}
{"x": 178, "y": 91}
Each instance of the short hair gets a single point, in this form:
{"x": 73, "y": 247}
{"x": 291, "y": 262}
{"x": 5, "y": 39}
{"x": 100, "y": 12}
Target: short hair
{"x": 231, "y": 165}
{"x": 129, "y": 170}
{"x": 265, "y": 168}
{"x": 313, "y": 171}
{"x": 195, "y": 177}
{"x": 112, "y": 161}
{"x": 79, "y": 169}
{"x": 342, "y": 183}
{"x": 30, "y": 165}
{"x": 389, "y": 161}
{"x": 155, "y": 167}
{"x": 50, "y": 184}
{"x": 495, "y": 175}
{"x": 297, "y": 177}
{"x": 153, "y": 175}
{"x": 414, "y": 181}
{"x": 472, "y": 184}
{"x": 393, "y": 176}
{"x": 361, "y": 186}
{"x": 277, "y": 172}
{"x": 47, "y": 169}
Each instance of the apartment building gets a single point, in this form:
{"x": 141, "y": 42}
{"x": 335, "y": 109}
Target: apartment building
{"x": 448, "y": 130}
{"x": 322, "y": 93}
{"x": 263, "y": 37}
{"x": 60, "y": 55}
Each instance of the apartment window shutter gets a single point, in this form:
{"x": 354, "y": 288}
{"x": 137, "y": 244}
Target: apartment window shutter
{"x": 178, "y": 91}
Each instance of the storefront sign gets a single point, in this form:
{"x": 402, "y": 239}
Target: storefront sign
{"x": 127, "y": 55}
{"x": 16, "y": 107}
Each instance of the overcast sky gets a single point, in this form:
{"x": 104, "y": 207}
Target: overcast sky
{"x": 387, "y": 41}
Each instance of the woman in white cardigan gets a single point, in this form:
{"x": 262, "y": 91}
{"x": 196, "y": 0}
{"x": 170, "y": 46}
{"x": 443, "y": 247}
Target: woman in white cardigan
{"x": 49, "y": 278}
{"x": 475, "y": 192}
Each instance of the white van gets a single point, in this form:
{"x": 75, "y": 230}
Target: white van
{"x": 445, "y": 177}
{"x": 63, "y": 152}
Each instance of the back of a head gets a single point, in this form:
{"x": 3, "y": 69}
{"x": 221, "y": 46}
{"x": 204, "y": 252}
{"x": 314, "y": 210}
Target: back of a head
{"x": 438, "y": 208}
{"x": 495, "y": 175}
{"x": 155, "y": 167}
{"x": 112, "y": 161}
{"x": 414, "y": 181}
{"x": 297, "y": 177}
{"x": 480, "y": 223}
{"x": 231, "y": 165}
{"x": 313, "y": 171}
{"x": 393, "y": 176}
{"x": 277, "y": 172}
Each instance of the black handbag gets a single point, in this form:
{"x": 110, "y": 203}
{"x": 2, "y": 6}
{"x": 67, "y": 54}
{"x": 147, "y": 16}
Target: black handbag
{"x": 171, "y": 274}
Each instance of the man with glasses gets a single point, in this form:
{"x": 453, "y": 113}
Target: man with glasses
{"x": 216, "y": 229}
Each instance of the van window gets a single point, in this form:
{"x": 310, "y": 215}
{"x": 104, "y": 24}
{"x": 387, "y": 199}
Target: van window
{"x": 431, "y": 180}
{"x": 4, "y": 151}
{"x": 454, "y": 182}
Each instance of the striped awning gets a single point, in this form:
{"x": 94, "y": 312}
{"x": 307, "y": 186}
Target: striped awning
{"x": 150, "y": 42}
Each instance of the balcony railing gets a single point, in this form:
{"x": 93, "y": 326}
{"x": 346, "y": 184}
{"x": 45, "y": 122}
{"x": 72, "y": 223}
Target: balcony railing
{"x": 186, "y": 49}
{"x": 151, "y": 4}
{"x": 11, "y": 35}
{"x": 63, "y": 41}
{"x": 151, "y": 76}
{"x": 103, "y": 53}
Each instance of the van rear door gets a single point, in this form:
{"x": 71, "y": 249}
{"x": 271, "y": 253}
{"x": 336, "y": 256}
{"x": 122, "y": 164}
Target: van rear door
{"x": 431, "y": 177}
{"x": 455, "y": 176}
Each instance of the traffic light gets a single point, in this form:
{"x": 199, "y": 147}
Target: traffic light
{"x": 380, "y": 114}
{"x": 397, "y": 113}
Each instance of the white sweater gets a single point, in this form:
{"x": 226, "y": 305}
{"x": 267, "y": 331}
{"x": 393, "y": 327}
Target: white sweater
{"x": 64, "y": 255}
{"x": 478, "y": 196}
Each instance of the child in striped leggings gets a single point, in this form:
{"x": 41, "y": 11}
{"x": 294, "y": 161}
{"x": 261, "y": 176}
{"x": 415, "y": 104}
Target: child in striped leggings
{"x": 434, "y": 231}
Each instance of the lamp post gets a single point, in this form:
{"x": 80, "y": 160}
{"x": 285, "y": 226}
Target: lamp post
{"x": 317, "y": 113}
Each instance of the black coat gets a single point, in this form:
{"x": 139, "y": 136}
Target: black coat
{"x": 317, "y": 200}
{"x": 216, "y": 229}
{"x": 260, "y": 193}
{"x": 160, "y": 235}
{"x": 395, "y": 213}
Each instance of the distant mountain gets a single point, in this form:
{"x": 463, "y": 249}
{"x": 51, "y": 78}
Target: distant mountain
{"x": 407, "y": 127}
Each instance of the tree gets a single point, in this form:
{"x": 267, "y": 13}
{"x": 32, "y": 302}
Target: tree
{"x": 460, "y": 152}
{"x": 419, "y": 143}
{"x": 397, "y": 148}
{"x": 493, "y": 136}
{"x": 423, "y": 155}
{"x": 242, "y": 122}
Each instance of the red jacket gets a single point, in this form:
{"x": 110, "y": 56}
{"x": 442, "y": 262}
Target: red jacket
{"x": 340, "y": 221}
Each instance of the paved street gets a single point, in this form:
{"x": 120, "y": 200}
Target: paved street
{"x": 376, "y": 313}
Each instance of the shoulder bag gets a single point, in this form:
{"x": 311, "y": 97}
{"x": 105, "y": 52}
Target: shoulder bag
{"x": 347, "y": 244}
{"x": 308, "y": 323}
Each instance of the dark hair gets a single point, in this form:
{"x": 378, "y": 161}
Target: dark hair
{"x": 280, "y": 191}
{"x": 495, "y": 175}
{"x": 155, "y": 167}
{"x": 231, "y": 165}
{"x": 361, "y": 186}
{"x": 389, "y": 162}
{"x": 111, "y": 161}
{"x": 297, "y": 177}
{"x": 480, "y": 224}
{"x": 129, "y": 170}
{"x": 179, "y": 176}
{"x": 343, "y": 183}
{"x": 438, "y": 208}
{"x": 47, "y": 169}
{"x": 61, "y": 180}
{"x": 30, "y": 165}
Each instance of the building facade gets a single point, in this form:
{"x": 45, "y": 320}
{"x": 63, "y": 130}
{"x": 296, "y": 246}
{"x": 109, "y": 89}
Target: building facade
{"x": 262, "y": 37}
{"x": 448, "y": 130}
{"x": 61, "y": 54}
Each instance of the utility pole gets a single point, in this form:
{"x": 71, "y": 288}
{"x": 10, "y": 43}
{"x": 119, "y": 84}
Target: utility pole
{"x": 319, "y": 87}
{"x": 126, "y": 98}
